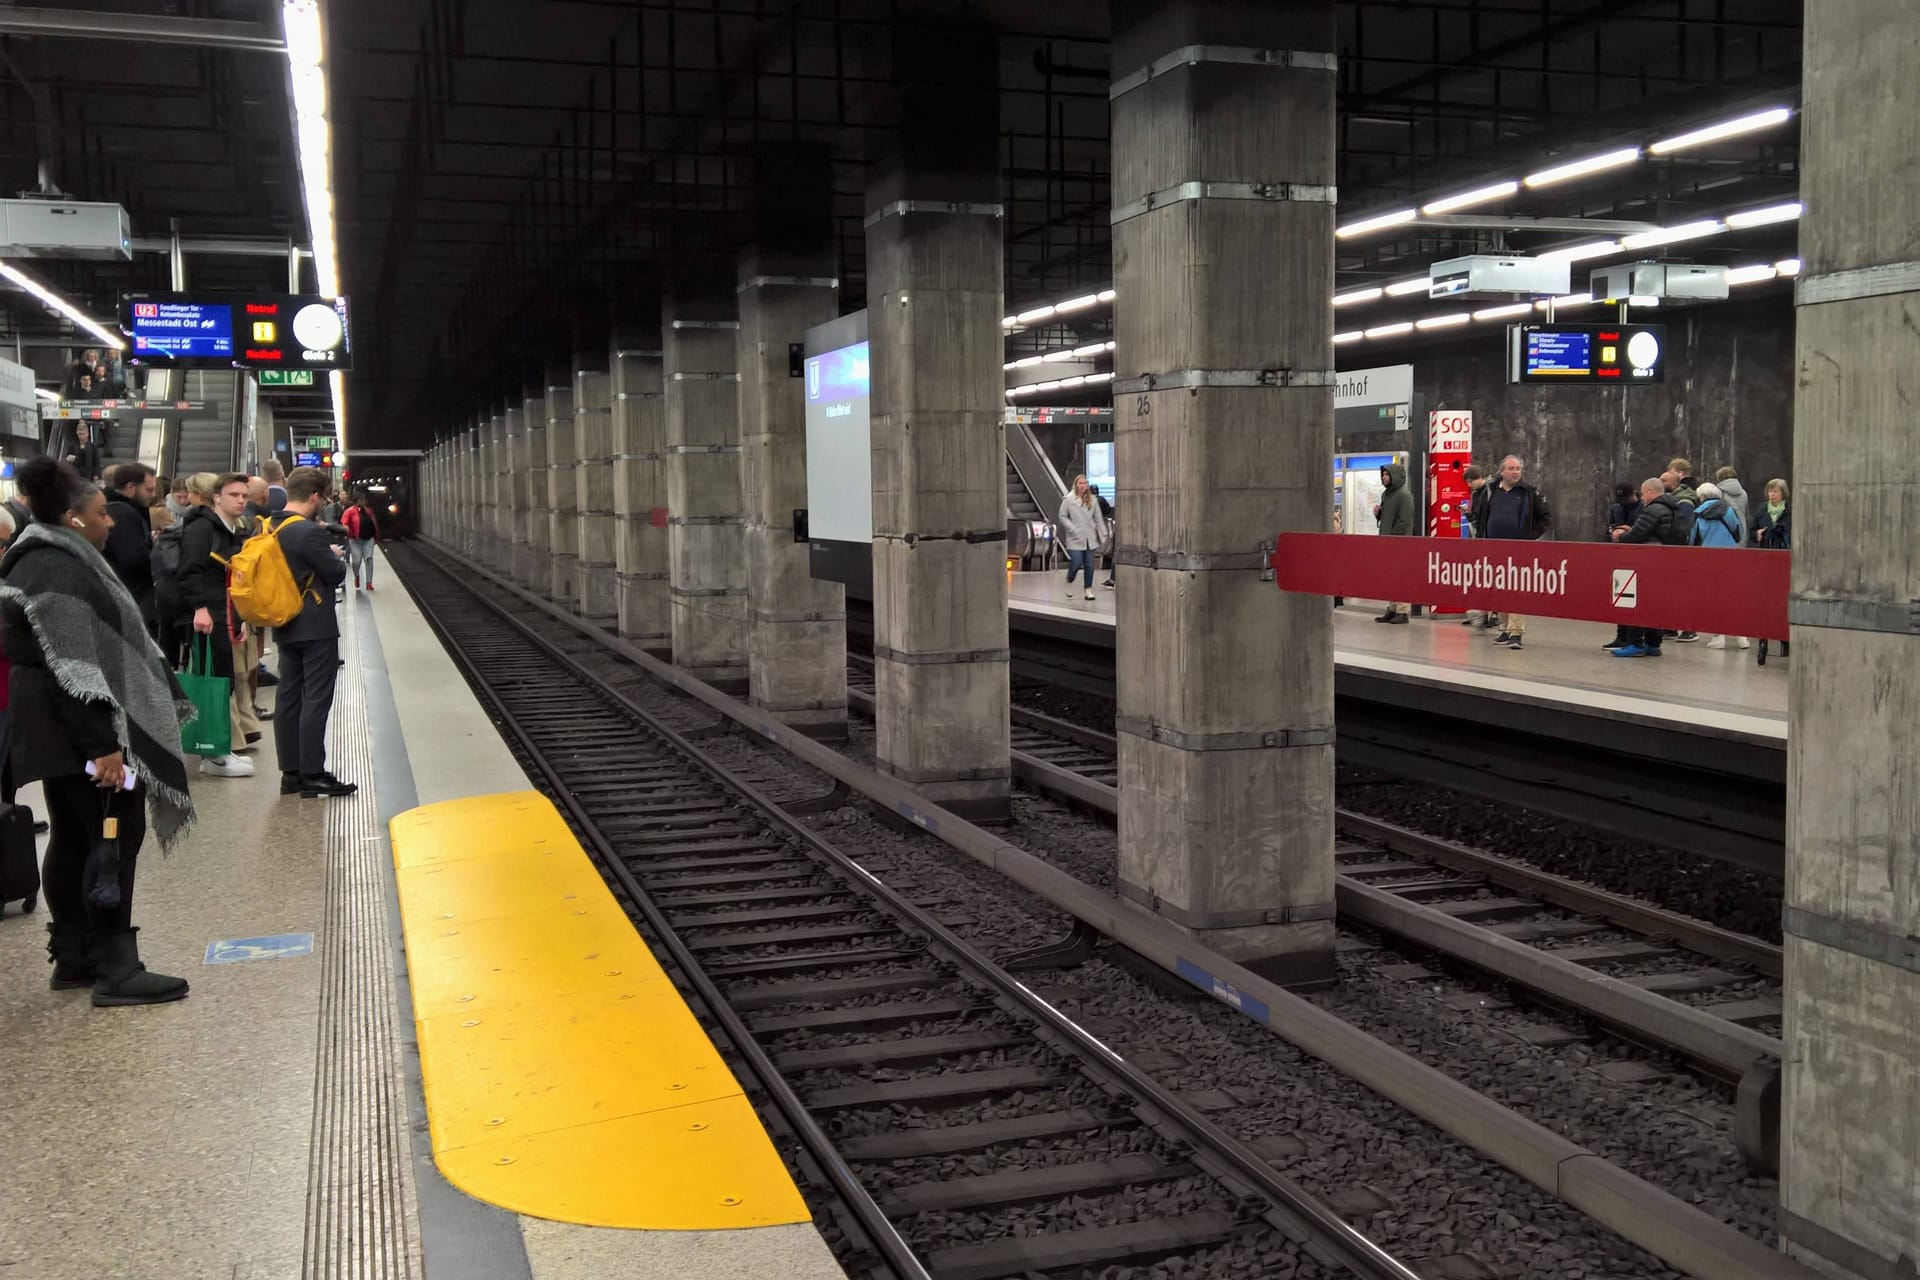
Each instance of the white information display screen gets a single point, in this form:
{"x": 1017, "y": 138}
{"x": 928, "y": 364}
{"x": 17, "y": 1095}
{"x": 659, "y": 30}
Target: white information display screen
{"x": 1100, "y": 467}
{"x": 839, "y": 446}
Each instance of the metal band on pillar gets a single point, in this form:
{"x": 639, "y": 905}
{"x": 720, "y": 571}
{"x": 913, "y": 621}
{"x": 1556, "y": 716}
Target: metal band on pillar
{"x": 1266, "y": 192}
{"x": 1237, "y": 55}
{"x": 789, "y": 282}
{"x": 1192, "y": 379}
{"x": 1885, "y": 617}
{"x": 1245, "y": 740}
{"x": 900, "y": 208}
{"x": 1870, "y": 942}
{"x": 1859, "y": 282}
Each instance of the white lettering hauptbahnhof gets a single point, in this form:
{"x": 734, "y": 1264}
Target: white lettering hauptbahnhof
{"x": 1490, "y": 575}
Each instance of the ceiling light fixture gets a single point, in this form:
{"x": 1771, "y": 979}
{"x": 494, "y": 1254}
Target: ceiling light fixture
{"x": 1356, "y": 295}
{"x": 61, "y": 305}
{"x": 1390, "y": 330}
{"x": 1580, "y": 252}
{"x": 1504, "y": 312}
{"x": 1077, "y": 304}
{"x": 1725, "y": 129}
{"x": 1580, "y": 168}
{"x": 1352, "y": 335}
{"x": 1788, "y": 212}
{"x": 44, "y": 394}
{"x": 313, "y": 139}
{"x": 1443, "y": 322}
{"x": 1565, "y": 302}
{"x": 1397, "y": 218}
{"x": 1788, "y": 266}
{"x": 1467, "y": 199}
{"x": 1401, "y": 288}
{"x": 1751, "y": 275}
{"x": 1673, "y": 235}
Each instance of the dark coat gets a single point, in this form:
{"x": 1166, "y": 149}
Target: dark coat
{"x": 85, "y": 458}
{"x": 1396, "y": 504}
{"x": 203, "y": 579}
{"x": 1657, "y": 522}
{"x": 309, "y": 550}
{"x": 129, "y": 550}
{"x": 1774, "y": 534}
{"x": 1535, "y": 518}
{"x": 54, "y": 734}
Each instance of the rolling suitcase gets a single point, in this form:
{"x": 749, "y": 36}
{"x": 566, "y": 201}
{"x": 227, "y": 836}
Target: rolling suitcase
{"x": 19, "y": 858}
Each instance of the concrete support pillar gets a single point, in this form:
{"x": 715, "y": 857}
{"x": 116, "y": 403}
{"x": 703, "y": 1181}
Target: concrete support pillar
{"x": 1225, "y": 684}
{"x": 939, "y": 465}
{"x": 539, "y": 566}
{"x": 498, "y": 541}
{"x": 640, "y": 488}
{"x": 469, "y": 491}
{"x": 563, "y": 505}
{"x": 594, "y": 593}
{"x": 705, "y": 521}
{"x": 797, "y": 645}
{"x": 1850, "y": 1139}
{"x": 515, "y": 481}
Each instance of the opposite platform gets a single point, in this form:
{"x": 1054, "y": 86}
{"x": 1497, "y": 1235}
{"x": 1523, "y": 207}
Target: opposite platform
{"x": 1707, "y": 693}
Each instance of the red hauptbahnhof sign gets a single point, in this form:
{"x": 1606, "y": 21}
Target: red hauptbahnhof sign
{"x": 1729, "y": 591}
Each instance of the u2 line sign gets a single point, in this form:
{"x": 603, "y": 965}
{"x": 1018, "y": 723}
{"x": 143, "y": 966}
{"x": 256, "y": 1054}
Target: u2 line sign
{"x": 1730, "y": 591}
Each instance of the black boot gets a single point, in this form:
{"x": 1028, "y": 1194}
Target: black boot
{"x": 123, "y": 979}
{"x": 70, "y": 952}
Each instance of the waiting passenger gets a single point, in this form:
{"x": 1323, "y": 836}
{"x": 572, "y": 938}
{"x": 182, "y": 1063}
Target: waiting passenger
{"x": 84, "y": 455}
{"x": 1715, "y": 524}
{"x": 1734, "y": 492}
{"x": 1395, "y": 516}
{"x": 276, "y": 478}
{"x": 1620, "y": 517}
{"x": 309, "y": 645}
{"x": 1473, "y": 523}
{"x": 1773, "y": 527}
{"x": 1515, "y": 510}
{"x": 101, "y": 736}
{"x": 1106, "y": 514}
{"x": 177, "y": 500}
{"x": 363, "y": 530}
{"x": 1685, "y": 487}
{"x": 1079, "y": 532}
{"x": 210, "y": 535}
{"x": 1659, "y": 523}
{"x": 130, "y": 546}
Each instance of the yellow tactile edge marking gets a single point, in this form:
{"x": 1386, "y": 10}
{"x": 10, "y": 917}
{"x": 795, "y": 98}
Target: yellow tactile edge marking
{"x": 565, "y": 1077}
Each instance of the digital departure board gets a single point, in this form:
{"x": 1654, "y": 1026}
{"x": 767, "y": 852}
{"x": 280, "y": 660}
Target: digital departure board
{"x": 1587, "y": 353}
{"x": 248, "y": 330}
{"x": 181, "y": 330}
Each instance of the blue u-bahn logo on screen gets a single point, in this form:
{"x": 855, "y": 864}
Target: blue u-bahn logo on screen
{"x": 839, "y": 375}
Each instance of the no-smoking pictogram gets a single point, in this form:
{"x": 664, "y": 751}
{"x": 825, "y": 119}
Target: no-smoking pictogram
{"x": 1626, "y": 588}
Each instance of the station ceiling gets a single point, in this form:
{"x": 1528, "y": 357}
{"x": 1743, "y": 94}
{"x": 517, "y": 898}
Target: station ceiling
{"x": 501, "y": 164}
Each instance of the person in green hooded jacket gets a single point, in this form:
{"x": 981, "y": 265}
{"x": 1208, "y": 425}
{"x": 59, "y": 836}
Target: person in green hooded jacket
{"x": 1396, "y": 521}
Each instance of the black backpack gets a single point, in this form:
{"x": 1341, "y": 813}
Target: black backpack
{"x": 165, "y": 557}
{"x": 1680, "y": 532}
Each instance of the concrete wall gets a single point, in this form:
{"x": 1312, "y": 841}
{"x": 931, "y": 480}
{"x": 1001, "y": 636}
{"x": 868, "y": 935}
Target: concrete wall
{"x": 1727, "y": 401}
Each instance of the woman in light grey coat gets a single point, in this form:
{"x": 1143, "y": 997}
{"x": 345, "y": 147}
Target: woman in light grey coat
{"x": 1079, "y": 532}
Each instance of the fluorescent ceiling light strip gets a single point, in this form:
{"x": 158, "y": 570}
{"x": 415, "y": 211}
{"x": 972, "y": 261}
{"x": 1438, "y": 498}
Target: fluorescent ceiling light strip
{"x": 45, "y": 394}
{"x": 1789, "y": 212}
{"x": 1673, "y": 235}
{"x": 1401, "y": 288}
{"x": 1751, "y": 275}
{"x": 1468, "y": 199}
{"x": 1788, "y": 266}
{"x": 1078, "y": 304}
{"x": 1443, "y": 322}
{"x": 1356, "y": 295}
{"x": 1038, "y": 313}
{"x": 1581, "y": 252}
{"x": 1380, "y": 223}
{"x": 1034, "y": 314}
{"x": 1725, "y": 129}
{"x": 1642, "y": 300}
{"x": 1566, "y": 301}
{"x": 1580, "y": 168}
{"x": 61, "y": 305}
{"x": 1389, "y": 330}
{"x": 1503, "y": 312}
{"x": 1352, "y": 335}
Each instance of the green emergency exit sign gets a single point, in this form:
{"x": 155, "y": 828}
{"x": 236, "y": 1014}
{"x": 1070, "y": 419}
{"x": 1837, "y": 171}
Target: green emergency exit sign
{"x": 286, "y": 377}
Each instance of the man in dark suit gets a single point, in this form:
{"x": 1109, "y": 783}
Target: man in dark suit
{"x": 310, "y": 644}
{"x": 130, "y": 493}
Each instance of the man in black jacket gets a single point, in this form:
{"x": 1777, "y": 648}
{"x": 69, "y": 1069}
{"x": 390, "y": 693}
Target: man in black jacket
{"x": 129, "y": 546}
{"x": 1516, "y": 511}
{"x": 310, "y": 644}
{"x": 84, "y": 454}
{"x": 1658, "y": 522}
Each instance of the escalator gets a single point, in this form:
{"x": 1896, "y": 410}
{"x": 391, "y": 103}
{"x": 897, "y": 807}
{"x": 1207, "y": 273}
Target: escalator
{"x": 1034, "y": 493}
{"x": 1020, "y": 503}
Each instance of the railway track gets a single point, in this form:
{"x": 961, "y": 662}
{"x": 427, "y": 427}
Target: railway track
{"x": 964, "y": 1128}
{"x": 1654, "y": 977}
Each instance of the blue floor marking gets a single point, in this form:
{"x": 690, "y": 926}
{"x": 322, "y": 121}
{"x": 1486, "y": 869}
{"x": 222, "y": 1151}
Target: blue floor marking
{"x": 274, "y": 946}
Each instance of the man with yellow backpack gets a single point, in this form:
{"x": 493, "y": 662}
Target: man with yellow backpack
{"x": 284, "y": 577}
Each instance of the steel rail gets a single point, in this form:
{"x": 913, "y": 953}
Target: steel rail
{"x": 1314, "y": 1225}
{"x": 1681, "y": 1235}
{"x": 880, "y": 1232}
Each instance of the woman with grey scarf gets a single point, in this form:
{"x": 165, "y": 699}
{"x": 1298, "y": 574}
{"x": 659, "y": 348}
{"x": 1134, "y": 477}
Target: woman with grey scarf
{"x": 96, "y": 719}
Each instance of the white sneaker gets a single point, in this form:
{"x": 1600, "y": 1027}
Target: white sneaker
{"x": 227, "y": 766}
{"x": 1718, "y": 642}
{"x": 1092, "y": 596}
{"x": 1743, "y": 642}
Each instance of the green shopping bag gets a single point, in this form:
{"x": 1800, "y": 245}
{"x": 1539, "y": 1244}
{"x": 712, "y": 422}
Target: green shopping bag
{"x": 210, "y": 732}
